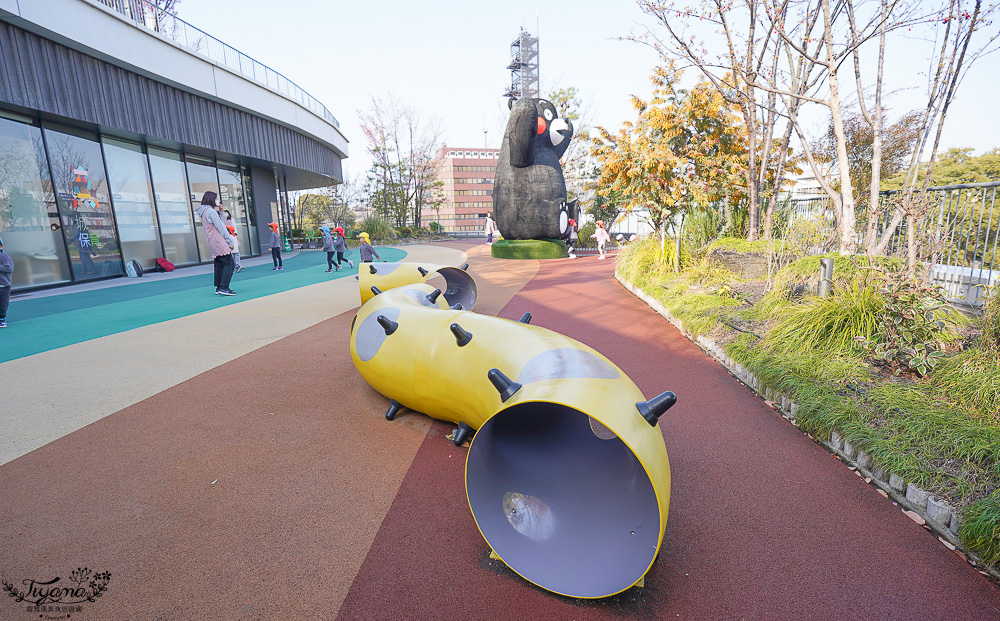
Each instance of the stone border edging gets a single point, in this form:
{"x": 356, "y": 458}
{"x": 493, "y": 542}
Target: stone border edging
{"x": 926, "y": 510}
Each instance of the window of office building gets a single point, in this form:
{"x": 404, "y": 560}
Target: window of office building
{"x": 173, "y": 210}
{"x": 132, "y": 198}
{"x": 231, "y": 193}
{"x": 86, "y": 216}
{"x": 201, "y": 178}
{"x": 29, "y": 221}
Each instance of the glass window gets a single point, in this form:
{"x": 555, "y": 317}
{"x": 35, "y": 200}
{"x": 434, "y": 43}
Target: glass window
{"x": 173, "y": 211}
{"x": 81, "y": 186}
{"x": 201, "y": 178}
{"x": 132, "y": 197}
{"x": 231, "y": 193}
{"x": 29, "y": 221}
{"x": 251, "y": 213}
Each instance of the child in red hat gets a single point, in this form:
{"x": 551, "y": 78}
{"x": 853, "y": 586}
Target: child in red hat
{"x": 570, "y": 237}
{"x": 275, "y": 246}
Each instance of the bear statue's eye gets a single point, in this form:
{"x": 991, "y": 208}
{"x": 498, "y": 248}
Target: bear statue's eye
{"x": 548, "y": 115}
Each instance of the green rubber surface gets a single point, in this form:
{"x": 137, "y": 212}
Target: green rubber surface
{"x": 42, "y": 324}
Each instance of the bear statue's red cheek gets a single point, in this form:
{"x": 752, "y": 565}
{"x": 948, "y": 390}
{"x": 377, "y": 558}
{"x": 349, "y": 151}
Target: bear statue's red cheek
{"x": 541, "y": 125}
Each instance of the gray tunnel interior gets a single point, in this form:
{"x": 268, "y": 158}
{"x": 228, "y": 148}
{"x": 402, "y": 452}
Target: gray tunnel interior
{"x": 459, "y": 287}
{"x": 567, "y": 506}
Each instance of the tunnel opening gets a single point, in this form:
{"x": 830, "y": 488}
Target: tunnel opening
{"x": 562, "y": 500}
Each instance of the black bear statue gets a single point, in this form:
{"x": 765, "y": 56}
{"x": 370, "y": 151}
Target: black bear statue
{"x": 529, "y": 191}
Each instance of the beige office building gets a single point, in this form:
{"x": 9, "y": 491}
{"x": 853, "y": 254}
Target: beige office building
{"x": 467, "y": 175}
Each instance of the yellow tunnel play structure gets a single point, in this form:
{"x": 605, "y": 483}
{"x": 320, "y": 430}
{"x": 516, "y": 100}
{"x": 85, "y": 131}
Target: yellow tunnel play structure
{"x": 567, "y": 475}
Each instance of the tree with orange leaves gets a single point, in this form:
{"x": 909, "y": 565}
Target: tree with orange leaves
{"x": 684, "y": 152}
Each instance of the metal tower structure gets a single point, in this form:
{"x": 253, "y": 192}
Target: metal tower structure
{"x": 523, "y": 67}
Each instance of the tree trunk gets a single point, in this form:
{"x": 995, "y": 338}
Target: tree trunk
{"x": 753, "y": 196}
{"x": 677, "y": 247}
{"x": 876, "y": 182}
{"x": 779, "y": 178}
{"x": 848, "y": 242}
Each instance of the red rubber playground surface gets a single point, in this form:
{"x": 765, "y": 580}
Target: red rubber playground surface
{"x": 320, "y": 508}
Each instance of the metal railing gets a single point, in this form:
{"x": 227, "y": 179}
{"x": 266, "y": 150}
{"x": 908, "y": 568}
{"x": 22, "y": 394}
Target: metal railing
{"x": 147, "y": 15}
{"x": 962, "y": 226}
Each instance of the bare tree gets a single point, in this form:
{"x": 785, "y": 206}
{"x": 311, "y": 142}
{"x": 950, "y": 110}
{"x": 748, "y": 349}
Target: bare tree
{"x": 402, "y": 146}
{"x": 949, "y": 65}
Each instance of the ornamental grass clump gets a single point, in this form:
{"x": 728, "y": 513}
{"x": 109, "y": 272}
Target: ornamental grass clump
{"x": 980, "y": 529}
{"x": 378, "y": 229}
{"x": 643, "y": 263}
{"x": 828, "y": 324}
{"x": 989, "y": 323}
{"x": 972, "y": 379}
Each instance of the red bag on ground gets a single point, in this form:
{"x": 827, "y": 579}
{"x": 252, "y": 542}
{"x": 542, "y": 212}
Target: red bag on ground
{"x": 162, "y": 265}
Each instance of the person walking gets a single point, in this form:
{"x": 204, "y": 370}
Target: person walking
{"x": 602, "y": 237}
{"x": 340, "y": 245}
{"x": 570, "y": 237}
{"x": 275, "y": 247}
{"x": 6, "y": 275}
{"x": 367, "y": 250}
{"x": 220, "y": 242}
{"x": 491, "y": 229}
{"x": 236, "y": 249}
{"x": 328, "y": 248}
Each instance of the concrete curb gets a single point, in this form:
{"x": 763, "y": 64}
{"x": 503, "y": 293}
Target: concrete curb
{"x": 933, "y": 514}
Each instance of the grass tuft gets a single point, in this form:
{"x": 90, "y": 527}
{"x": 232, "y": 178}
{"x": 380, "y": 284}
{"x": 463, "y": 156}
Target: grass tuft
{"x": 827, "y": 324}
{"x": 980, "y": 529}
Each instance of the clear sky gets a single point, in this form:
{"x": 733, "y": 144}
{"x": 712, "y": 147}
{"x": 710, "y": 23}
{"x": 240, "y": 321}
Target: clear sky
{"x": 448, "y": 59}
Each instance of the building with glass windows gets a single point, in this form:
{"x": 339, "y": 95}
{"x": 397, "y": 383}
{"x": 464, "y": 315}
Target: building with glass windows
{"x": 467, "y": 176}
{"x": 116, "y": 118}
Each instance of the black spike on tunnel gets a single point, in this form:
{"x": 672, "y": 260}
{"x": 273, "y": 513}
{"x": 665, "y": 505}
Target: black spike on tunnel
{"x": 562, "y": 500}
{"x": 460, "y": 288}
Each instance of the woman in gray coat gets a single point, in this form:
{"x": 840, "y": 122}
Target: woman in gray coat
{"x": 220, "y": 242}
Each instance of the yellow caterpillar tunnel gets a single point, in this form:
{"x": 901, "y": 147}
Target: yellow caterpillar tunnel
{"x": 567, "y": 475}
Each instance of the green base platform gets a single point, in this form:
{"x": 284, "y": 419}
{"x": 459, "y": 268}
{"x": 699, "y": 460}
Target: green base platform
{"x": 529, "y": 249}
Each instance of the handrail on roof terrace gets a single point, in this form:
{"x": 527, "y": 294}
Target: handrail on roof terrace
{"x": 148, "y": 15}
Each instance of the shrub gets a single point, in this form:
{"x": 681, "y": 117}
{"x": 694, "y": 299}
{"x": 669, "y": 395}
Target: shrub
{"x": 701, "y": 227}
{"x": 377, "y": 228}
{"x": 914, "y": 317}
{"x": 403, "y": 231}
